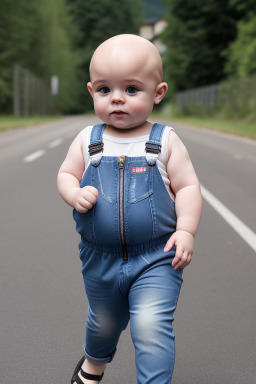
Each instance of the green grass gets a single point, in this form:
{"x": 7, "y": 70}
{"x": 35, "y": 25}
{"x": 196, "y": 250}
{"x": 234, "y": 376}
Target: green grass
{"x": 239, "y": 128}
{"x": 12, "y": 122}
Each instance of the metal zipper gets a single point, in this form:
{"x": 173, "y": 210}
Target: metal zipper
{"x": 121, "y": 160}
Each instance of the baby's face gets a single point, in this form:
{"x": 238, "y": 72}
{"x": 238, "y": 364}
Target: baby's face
{"x": 122, "y": 99}
{"x": 123, "y": 86}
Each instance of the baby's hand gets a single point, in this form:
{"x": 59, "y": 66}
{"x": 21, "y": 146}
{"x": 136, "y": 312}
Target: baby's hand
{"x": 84, "y": 198}
{"x": 184, "y": 242}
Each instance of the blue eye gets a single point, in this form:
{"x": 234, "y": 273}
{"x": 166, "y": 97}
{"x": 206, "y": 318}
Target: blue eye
{"x": 104, "y": 90}
{"x": 131, "y": 89}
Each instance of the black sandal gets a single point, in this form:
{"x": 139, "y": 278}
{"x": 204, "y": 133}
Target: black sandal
{"x": 88, "y": 376}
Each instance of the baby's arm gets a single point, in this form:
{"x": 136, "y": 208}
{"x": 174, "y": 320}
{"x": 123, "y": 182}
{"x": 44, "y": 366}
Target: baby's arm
{"x": 188, "y": 201}
{"x": 69, "y": 177}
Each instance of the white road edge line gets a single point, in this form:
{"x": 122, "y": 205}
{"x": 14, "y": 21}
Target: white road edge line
{"x": 242, "y": 229}
{"x": 33, "y": 156}
{"x": 55, "y": 143}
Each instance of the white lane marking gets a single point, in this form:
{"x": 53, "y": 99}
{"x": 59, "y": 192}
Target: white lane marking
{"x": 55, "y": 143}
{"x": 242, "y": 229}
{"x": 33, "y": 156}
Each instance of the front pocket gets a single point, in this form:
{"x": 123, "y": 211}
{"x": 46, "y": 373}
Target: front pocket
{"x": 105, "y": 178}
{"x": 140, "y": 181}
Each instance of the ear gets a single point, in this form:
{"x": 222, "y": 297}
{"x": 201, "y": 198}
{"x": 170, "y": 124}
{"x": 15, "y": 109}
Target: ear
{"x": 89, "y": 87}
{"x": 161, "y": 90}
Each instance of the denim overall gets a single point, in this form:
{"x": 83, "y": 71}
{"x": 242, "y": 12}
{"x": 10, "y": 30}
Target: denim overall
{"x": 127, "y": 275}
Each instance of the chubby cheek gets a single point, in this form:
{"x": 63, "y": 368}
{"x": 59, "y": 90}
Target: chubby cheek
{"x": 100, "y": 107}
{"x": 142, "y": 107}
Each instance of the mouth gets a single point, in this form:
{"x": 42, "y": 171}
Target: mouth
{"x": 118, "y": 113}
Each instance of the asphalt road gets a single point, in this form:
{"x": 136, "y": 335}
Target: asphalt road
{"x": 42, "y": 302}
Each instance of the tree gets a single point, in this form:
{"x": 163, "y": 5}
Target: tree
{"x": 54, "y": 52}
{"x": 197, "y": 33}
{"x": 17, "y": 28}
{"x": 241, "y": 54}
{"x": 41, "y": 38}
{"x": 245, "y": 9}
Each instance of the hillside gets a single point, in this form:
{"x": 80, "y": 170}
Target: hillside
{"x": 154, "y": 8}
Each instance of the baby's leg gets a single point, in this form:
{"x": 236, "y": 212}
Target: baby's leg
{"x": 107, "y": 318}
{"x": 108, "y": 313}
{"x": 153, "y": 299}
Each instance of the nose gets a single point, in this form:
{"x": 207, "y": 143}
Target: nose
{"x": 117, "y": 97}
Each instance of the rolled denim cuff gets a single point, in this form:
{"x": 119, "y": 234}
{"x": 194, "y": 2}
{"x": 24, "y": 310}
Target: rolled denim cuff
{"x": 99, "y": 360}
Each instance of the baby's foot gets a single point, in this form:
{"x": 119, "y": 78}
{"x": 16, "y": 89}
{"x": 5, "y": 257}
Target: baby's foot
{"x": 89, "y": 373}
{"x": 84, "y": 381}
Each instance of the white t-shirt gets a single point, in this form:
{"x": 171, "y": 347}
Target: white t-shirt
{"x": 133, "y": 147}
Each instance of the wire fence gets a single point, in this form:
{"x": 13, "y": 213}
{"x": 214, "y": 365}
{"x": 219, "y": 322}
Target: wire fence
{"x": 207, "y": 96}
{"x": 31, "y": 96}
{"x": 231, "y": 98}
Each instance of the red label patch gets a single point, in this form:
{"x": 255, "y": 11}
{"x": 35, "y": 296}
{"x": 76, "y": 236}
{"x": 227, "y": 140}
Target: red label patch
{"x": 139, "y": 169}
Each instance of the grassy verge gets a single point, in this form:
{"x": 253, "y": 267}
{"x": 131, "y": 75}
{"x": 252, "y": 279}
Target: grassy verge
{"x": 239, "y": 128}
{"x": 12, "y": 122}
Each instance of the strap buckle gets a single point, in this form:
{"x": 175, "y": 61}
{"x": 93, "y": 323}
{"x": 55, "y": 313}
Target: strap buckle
{"x": 95, "y": 148}
{"x": 153, "y": 148}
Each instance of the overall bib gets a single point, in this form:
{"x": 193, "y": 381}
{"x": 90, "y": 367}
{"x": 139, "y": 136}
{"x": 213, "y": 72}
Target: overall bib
{"x": 127, "y": 275}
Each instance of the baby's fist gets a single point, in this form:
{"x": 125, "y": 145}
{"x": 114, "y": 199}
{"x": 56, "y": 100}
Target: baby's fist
{"x": 84, "y": 198}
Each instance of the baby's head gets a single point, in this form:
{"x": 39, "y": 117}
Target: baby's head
{"x": 128, "y": 52}
{"x": 126, "y": 80}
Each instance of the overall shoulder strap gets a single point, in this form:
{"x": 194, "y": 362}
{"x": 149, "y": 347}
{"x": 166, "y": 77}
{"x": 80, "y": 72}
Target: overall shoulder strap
{"x": 153, "y": 145}
{"x": 95, "y": 148}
